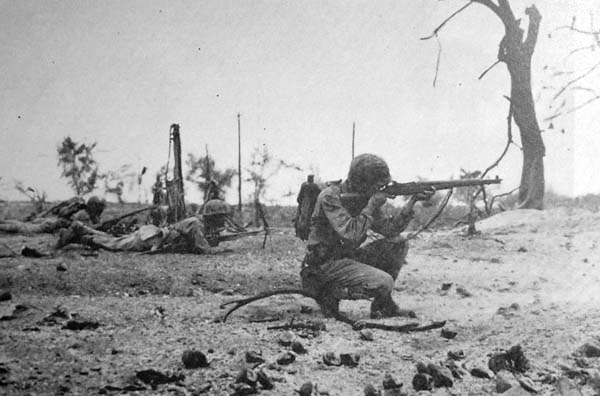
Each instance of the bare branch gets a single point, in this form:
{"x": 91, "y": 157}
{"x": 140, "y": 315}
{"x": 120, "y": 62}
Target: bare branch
{"x": 573, "y": 81}
{"x": 434, "y": 217}
{"x": 534, "y": 26}
{"x": 573, "y": 109}
{"x": 437, "y": 61}
{"x": 441, "y": 25}
{"x": 488, "y": 69}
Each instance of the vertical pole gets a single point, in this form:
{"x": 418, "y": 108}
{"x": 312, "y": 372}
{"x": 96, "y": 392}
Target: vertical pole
{"x": 353, "y": 133}
{"x": 239, "y": 165}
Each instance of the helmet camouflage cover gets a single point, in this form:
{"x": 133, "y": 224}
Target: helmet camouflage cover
{"x": 216, "y": 207}
{"x": 367, "y": 170}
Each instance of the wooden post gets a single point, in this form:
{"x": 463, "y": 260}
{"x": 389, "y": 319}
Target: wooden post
{"x": 176, "y": 192}
{"x": 353, "y": 132}
{"x": 239, "y": 165}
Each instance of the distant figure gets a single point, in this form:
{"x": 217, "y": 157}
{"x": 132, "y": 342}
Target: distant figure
{"x": 57, "y": 217}
{"x": 307, "y": 197}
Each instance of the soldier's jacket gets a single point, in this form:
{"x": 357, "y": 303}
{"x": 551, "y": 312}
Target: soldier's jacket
{"x": 338, "y": 227}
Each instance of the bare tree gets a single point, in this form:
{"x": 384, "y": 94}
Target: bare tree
{"x": 202, "y": 171}
{"x": 515, "y": 50}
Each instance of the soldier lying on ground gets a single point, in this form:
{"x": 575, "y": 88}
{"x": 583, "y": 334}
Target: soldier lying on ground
{"x": 58, "y": 217}
{"x": 336, "y": 266}
{"x": 185, "y": 236}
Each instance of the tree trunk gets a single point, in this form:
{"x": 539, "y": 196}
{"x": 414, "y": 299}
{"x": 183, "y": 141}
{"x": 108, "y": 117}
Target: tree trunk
{"x": 517, "y": 52}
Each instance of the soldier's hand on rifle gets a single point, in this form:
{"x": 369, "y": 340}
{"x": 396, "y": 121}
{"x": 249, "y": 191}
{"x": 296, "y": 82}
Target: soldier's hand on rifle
{"x": 425, "y": 195}
{"x": 377, "y": 200}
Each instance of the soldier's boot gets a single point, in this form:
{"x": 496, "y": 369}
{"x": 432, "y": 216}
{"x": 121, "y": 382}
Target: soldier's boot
{"x": 385, "y": 307}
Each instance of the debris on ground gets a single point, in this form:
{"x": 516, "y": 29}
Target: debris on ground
{"x": 448, "y": 334}
{"x": 513, "y": 360}
{"x": 154, "y": 377}
{"x": 81, "y": 325}
{"x": 194, "y": 359}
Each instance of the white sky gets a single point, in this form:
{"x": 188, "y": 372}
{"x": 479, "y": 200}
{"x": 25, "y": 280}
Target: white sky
{"x": 299, "y": 72}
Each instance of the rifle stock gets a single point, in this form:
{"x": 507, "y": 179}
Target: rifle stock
{"x": 411, "y": 188}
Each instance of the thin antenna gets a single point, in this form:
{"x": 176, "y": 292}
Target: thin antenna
{"x": 239, "y": 164}
{"x": 353, "y": 134}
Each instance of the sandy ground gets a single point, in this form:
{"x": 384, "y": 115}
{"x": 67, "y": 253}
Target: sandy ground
{"x": 528, "y": 278}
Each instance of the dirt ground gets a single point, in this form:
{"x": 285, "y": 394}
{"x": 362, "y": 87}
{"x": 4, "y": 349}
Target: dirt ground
{"x": 528, "y": 278}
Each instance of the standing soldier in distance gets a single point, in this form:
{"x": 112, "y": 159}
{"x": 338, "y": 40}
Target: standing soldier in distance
{"x": 307, "y": 197}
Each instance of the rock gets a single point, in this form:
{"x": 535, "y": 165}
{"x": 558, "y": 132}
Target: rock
{"x": 81, "y": 325}
{"x": 366, "y": 335}
{"x": 461, "y": 291}
{"x": 527, "y": 384}
{"x": 566, "y": 388}
{"x": 243, "y": 390}
{"x": 154, "y": 377}
{"x": 306, "y": 389}
{"x": 61, "y": 267}
{"x": 513, "y": 360}
{"x": 456, "y": 355}
{"x": 370, "y": 390}
{"x": 521, "y": 249}
{"x": 298, "y": 347}
{"x": 390, "y": 383}
{"x": 422, "y": 368}
{"x": 349, "y": 359}
{"x": 504, "y": 381}
{"x": 422, "y": 381}
{"x": 264, "y": 380}
{"x": 517, "y": 391}
{"x": 480, "y": 373}
{"x": 193, "y": 359}
{"x": 442, "y": 376}
{"x": 247, "y": 376}
{"x": 331, "y": 359}
{"x": 446, "y": 286}
{"x": 457, "y": 371}
{"x": 5, "y": 296}
{"x": 286, "y": 338}
{"x": 286, "y": 358}
{"x": 254, "y": 357}
{"x": 590, "y": 349}
{"x": 448, "y": 334}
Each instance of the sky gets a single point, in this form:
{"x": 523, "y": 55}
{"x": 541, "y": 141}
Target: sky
{"x": 299, "y": 73}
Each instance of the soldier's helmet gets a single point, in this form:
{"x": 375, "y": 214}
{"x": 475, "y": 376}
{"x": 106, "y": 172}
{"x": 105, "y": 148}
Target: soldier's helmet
{"x": 367, "y": 170}
{"x": 216, "y": 207}
{"x": 95, "y": 206}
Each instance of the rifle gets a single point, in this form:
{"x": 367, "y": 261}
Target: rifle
{"x": 107, "y": 224}
{"x": 394, "y": 188}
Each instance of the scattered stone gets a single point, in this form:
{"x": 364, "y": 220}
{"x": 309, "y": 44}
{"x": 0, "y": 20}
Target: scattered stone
{"x": 422, "y": 381}
{"x": 61, "y": 267}
{"x": 306, "y": 389}
{"x": 154, "y": 378}
{"x": 243, "y": 390}
{"x": 504, "y": 381}
{"x": 448, "y": 334}
{"x": 264, "y": 380}
{"x": 566, "y": 388}
{"x": 457, "y": 371}
{"x": 331, "y": 359}
{"x": 480, "y": 373}
{"x": 495, "y": 260}
{"x": 371, "y": 391}
{"x": 5, "y": 296}
{"x": 286, "y": 338}
{"x": 442, "y": 376}
{"x": 32, "y": 253}
{"x": 456, "y": 355}
{"x": 254, "y": 357}
{"x": 527, "y": 384}
{"x": 247, "y": 376}
{"x": 286, "y": 358}
{"x": 298, "y": 347}
{"x": 521, "y": 249}
{"x": 446, "y": 286}
{"x": 390, "y": 383}
{"x": 513, "y": 360}
{"x": 194, "y": 359}
{"x": 461, "y": 291}
{"x": 590, "y": 349}
{"x": 349, "y": 359}
{"x": 18, "y": 311}
{"x": 366, "y": 335}
{"x": 77, "y": 325}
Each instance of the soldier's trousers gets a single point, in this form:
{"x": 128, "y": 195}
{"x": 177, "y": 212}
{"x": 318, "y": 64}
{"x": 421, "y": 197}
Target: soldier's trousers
{"x": 370, "y": 272}
{"x": 45, "y": 226}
